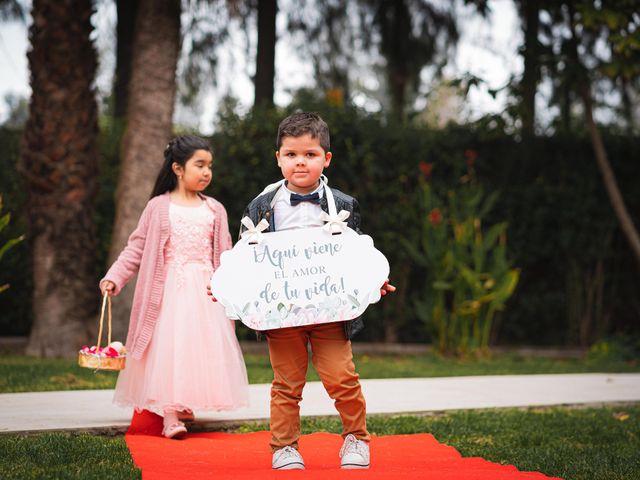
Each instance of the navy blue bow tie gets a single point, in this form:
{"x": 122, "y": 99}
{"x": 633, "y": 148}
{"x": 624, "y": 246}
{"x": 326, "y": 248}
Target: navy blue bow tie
{"x": 312, "y": 197}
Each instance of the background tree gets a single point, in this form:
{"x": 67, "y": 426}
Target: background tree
{"x": 619, "y": 22}
{"x": 266, "y": 53}
{"x": 326, "y": 32}
{"x": 409, "y": 34}
{"x": 127, "y": 11}
{"x": 11, "y": 10}
{"x": 152, "y": 94}
{"x": 205, "y": 31}
{"x": 530, "y": 14}
{"x": 59, "y": 163}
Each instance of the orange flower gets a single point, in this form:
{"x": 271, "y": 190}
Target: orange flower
{"x": 435, "y": 216}
{"x": 425, "y": 168}
{"x": 471, "y": 156}
{"x": 335, "y": 97}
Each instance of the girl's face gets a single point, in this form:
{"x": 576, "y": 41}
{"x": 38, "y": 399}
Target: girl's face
{"x": 302, "y": 160}
{"x": 195, "y": 176}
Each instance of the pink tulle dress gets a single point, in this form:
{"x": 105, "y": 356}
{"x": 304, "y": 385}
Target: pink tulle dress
{"x": 193, "y": 361}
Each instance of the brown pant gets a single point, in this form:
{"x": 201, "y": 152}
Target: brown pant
{"x": 333, "y": 360}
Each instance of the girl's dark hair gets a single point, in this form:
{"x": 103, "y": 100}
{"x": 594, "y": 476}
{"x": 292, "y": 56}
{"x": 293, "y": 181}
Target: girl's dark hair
{"x": 178, "y": 150}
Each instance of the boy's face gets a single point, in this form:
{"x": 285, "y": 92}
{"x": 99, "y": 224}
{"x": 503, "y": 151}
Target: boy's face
{"x": 302, "y": 160}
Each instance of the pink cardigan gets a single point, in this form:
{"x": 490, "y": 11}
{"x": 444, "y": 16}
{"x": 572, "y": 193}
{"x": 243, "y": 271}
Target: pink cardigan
{"x": 144, "y": 254}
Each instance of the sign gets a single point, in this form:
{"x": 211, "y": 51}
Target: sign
{"x": 299, "y": 277}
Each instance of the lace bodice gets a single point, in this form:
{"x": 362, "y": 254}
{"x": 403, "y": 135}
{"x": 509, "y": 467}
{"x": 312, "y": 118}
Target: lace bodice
{"x": 191, "y": 237}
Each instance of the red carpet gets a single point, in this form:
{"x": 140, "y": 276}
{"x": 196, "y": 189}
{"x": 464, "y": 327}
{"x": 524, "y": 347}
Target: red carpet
{"x": 247, "y": 456}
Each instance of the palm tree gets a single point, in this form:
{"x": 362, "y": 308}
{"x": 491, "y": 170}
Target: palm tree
{"x": 59, "y": 162}
{"x": 152, "y": 94}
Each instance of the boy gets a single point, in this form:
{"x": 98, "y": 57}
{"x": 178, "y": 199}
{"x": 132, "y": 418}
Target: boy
{"x": 303, "y": 152}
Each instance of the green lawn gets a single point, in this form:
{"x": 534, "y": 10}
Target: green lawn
{"x": 25, "y": 374}
{"x": 576, "y": 444}
{"x": 59, "y": 456}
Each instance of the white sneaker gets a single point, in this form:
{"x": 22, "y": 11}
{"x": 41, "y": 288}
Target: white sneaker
{"x": 287, "y": 458}
{"x": 354, "y": 453}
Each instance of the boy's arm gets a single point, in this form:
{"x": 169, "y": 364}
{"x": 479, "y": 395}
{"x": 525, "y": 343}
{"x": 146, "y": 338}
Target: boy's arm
{"x": 242, "y": 227}
{"x": 354, "y": 218}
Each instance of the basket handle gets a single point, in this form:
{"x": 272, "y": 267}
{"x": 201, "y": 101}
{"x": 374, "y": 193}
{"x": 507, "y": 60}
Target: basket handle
{"x": 106, "y": 300}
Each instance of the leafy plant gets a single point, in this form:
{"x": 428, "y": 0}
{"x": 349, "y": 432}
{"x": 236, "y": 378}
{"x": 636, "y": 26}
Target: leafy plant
{"x": 4, "y": 222}
{"x": 468, "y": 278}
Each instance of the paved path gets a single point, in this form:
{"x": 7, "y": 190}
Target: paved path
{"x": 93, "y": 410}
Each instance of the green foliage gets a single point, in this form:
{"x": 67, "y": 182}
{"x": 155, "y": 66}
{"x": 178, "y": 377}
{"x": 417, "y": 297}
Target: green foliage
{"x": 618, "y": 23}
{"x": 8, "y": 244}
{"x": 616, "y": 348}
{"x": 468, "y": 278}
{"x": 15, "y": 305}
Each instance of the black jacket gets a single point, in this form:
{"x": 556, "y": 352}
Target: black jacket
{"x": 261, "y": 208}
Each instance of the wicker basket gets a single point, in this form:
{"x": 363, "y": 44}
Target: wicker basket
{"x": 95, "y": 361}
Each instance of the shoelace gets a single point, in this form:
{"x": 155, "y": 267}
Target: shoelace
{"x": 287, "y": 452}
{"x": 353, "y": 445}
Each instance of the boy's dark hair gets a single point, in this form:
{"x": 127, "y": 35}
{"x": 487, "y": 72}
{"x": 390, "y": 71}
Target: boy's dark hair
{"x": 301, "y": 123}
{"x": 178, "y": 150}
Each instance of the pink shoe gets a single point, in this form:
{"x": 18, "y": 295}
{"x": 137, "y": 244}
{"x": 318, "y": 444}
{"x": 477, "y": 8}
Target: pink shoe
{"x": 175, "y": 430}
{"x": 186, "y": 416}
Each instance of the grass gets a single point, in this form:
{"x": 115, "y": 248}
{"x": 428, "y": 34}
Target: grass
{"x": 574, "y": 444}
{"x": 26, "y": 374}
{"x": 59, "y": 456}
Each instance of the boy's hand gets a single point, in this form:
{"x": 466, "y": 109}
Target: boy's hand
{"x": 387, "y": 288}
{"x": 107, "y": 287}
{"x": 213, "y": 299}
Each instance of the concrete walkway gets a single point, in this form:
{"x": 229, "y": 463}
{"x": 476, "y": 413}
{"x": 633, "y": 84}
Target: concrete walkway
{"x": 92, "y": 410}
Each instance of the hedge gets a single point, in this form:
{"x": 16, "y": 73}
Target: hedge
{"x": 578, "y": 277}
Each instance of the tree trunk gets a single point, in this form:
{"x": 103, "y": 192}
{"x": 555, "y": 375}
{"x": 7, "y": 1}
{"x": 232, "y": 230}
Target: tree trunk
{"x": 397, "y": 57}
{"x": 530, "y": 76}
{"x": 627, "y": 106}
{"x": 149, "y": 126}
{"x": 59, "y": 162}
{"x": 609, "y": 178}
{"x": 127, "y": 13}
{"x": 265, "y": 58}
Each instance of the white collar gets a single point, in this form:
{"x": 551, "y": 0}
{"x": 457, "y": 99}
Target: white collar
{"x": 319, "y": 189}
{"x": 284, "y": 193}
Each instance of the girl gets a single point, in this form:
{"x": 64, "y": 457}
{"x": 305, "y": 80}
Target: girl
{"x": 183, "y": 354}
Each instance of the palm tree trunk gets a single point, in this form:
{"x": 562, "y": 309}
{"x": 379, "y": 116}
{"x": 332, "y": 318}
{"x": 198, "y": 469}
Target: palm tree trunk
{"x": 149, "y": 125}
{"x": 59, "y": 162}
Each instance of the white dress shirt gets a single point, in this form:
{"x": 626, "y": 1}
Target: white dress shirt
{"x": 303, "y": 215}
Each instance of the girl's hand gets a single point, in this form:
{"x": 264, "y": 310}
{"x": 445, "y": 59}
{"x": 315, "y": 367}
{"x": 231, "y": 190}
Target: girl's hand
{"x": 213, "y": 299}
{"x": 107, "y": 287}
{"x": 387, "y": 288}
